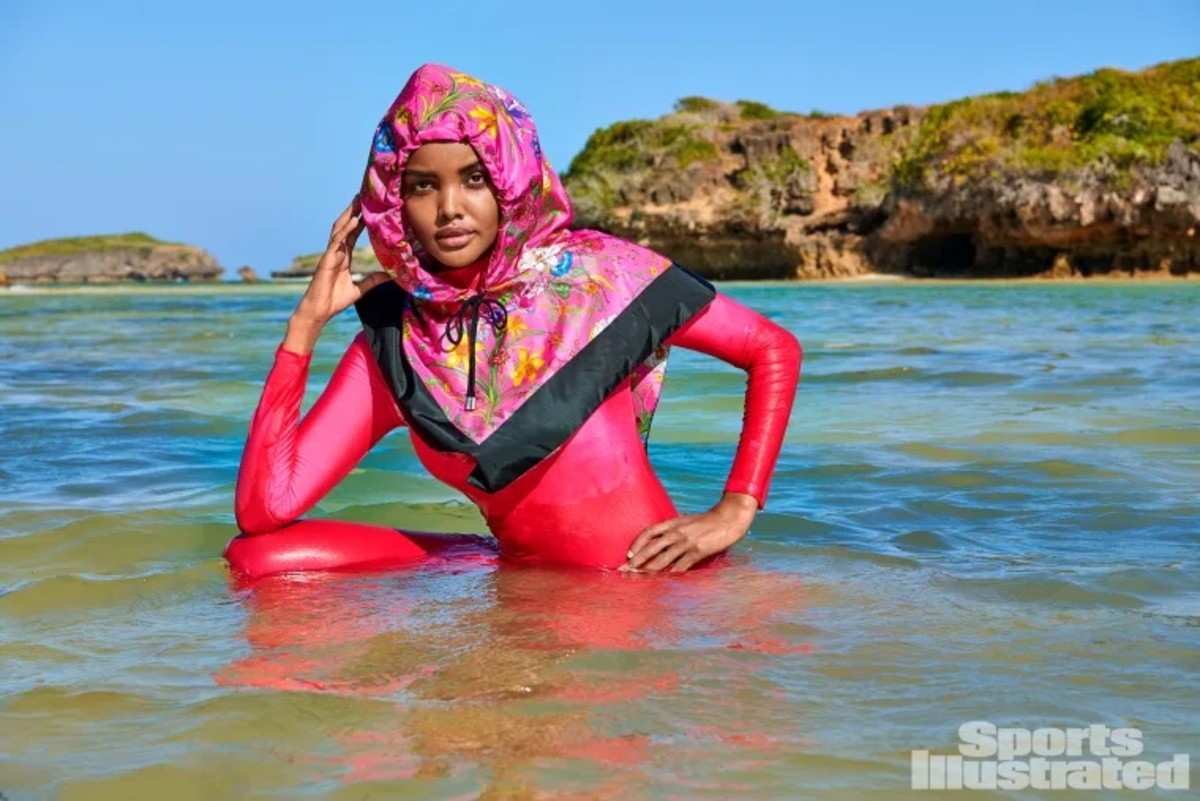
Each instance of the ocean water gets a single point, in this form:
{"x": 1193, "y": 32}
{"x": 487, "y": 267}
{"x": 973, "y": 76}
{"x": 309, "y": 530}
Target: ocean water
{"x": 986, "y": 509}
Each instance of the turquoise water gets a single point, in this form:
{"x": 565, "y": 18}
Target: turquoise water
{"x": 986, "y": 509}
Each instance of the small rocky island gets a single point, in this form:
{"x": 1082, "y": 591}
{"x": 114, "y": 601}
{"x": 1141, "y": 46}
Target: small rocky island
{"x": 118, "y": 258}
{"x": 363, "y": 262}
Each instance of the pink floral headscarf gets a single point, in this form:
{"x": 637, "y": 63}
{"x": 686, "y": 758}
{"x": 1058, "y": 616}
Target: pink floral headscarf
{"x": 439, "y": 104}
{"x": 549, "y": 294}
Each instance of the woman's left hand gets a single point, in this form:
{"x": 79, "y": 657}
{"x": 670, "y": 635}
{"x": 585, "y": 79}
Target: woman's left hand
{"x": 680, "y": 543}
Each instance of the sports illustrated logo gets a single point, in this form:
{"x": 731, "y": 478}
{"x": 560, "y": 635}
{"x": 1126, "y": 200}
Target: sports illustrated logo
{"x": 1092, "y": 758}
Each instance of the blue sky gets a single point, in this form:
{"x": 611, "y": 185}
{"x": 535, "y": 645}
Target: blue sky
{"x": 242, "y": 127}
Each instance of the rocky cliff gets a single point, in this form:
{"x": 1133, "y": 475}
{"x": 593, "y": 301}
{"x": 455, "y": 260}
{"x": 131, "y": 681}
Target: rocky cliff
{"x": 107, "y": 259}
{"x": 1095, "y": 175}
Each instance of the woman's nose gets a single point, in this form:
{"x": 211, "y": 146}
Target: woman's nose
{"x": 450, "y": 204}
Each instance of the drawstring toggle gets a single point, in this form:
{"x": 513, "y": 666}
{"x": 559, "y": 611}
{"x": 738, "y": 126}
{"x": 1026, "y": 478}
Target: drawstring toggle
{"x": 468, "y": 315}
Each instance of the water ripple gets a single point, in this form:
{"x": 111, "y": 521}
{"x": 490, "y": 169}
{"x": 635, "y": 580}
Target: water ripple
{"x": 985, "y": 508}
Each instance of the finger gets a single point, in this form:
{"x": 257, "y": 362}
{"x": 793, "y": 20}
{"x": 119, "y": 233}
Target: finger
{"x": 343, "y": 240}
{"x": 346, "y": 228}
{"x": 352, "y": 238}
{"x": 686, "y": 562}
{"x": 649, "y": 550}
{"x": 652, "y": 546}
{"x": 667, "y": 557}
{"x": 648, "y": 533}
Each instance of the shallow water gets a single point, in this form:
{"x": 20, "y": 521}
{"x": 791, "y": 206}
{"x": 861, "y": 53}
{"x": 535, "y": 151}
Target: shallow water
{"x": 986, "y": 510}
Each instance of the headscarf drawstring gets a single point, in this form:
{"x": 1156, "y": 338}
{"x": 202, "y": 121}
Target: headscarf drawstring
{"x": 494, "y": 314}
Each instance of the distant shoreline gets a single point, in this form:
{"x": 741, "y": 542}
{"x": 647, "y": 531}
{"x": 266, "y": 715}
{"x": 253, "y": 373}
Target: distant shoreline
{"x": 296, "y": 286}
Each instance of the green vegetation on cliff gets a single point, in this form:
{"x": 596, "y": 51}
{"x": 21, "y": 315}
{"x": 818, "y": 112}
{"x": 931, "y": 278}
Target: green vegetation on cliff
{"x": 753, "y": 110}
{"x": 777, "y": 169}
{"x": 82, "y": 244}
{"x": 636, "y": 143}
{"x": 696, "y": 105}
{"x": 670, "y": 144}
{"x": 1124, "y": 118}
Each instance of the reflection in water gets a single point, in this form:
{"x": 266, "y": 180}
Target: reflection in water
{"x": 491, "y": 664}
{"x": 971, "y": 548}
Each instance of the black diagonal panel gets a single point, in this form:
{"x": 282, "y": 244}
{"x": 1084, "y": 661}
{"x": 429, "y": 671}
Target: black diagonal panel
{"x": 561, "y": 405}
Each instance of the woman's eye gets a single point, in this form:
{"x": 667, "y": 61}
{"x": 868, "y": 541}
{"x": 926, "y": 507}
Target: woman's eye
{"x": 477, "y": 178}
{"x": 420, "y": 186}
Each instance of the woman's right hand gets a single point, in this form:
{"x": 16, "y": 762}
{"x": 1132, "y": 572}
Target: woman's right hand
{"x": 332, "y": 288}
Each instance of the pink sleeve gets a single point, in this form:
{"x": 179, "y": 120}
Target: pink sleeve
{"x": 289, "y": 464}
{"x": 771, "y": 357}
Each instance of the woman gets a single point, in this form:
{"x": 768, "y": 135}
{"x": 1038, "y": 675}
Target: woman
{"x": 525, "y": 359}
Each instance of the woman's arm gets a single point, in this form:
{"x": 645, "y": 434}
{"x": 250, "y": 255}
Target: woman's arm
{"x": 289, "y": 464}
{"x": 771, "y": 357}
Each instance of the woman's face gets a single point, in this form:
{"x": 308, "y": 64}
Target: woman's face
{"x": 449, "y": 204}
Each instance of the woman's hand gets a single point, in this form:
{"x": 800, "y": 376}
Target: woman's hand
{"x": 680, "y": 543}
{"x": 332, "y": 288}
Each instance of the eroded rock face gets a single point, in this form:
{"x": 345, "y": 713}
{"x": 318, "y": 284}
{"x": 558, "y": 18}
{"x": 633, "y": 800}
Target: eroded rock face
{"x": 813, "y": 197}
{"x": 791, "y": 197}
{"x": 149, "y": 263}
{"x": 1075, "y": 226}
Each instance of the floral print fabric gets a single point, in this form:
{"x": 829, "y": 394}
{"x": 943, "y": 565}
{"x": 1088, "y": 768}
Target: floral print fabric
{"x": 559, "y": 288}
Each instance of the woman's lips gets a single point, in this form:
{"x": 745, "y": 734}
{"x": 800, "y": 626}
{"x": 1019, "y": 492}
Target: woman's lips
{"x": 454, "y": 240}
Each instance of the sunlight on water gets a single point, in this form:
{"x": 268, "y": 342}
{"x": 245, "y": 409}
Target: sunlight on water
{"x": 985, "y": 510}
